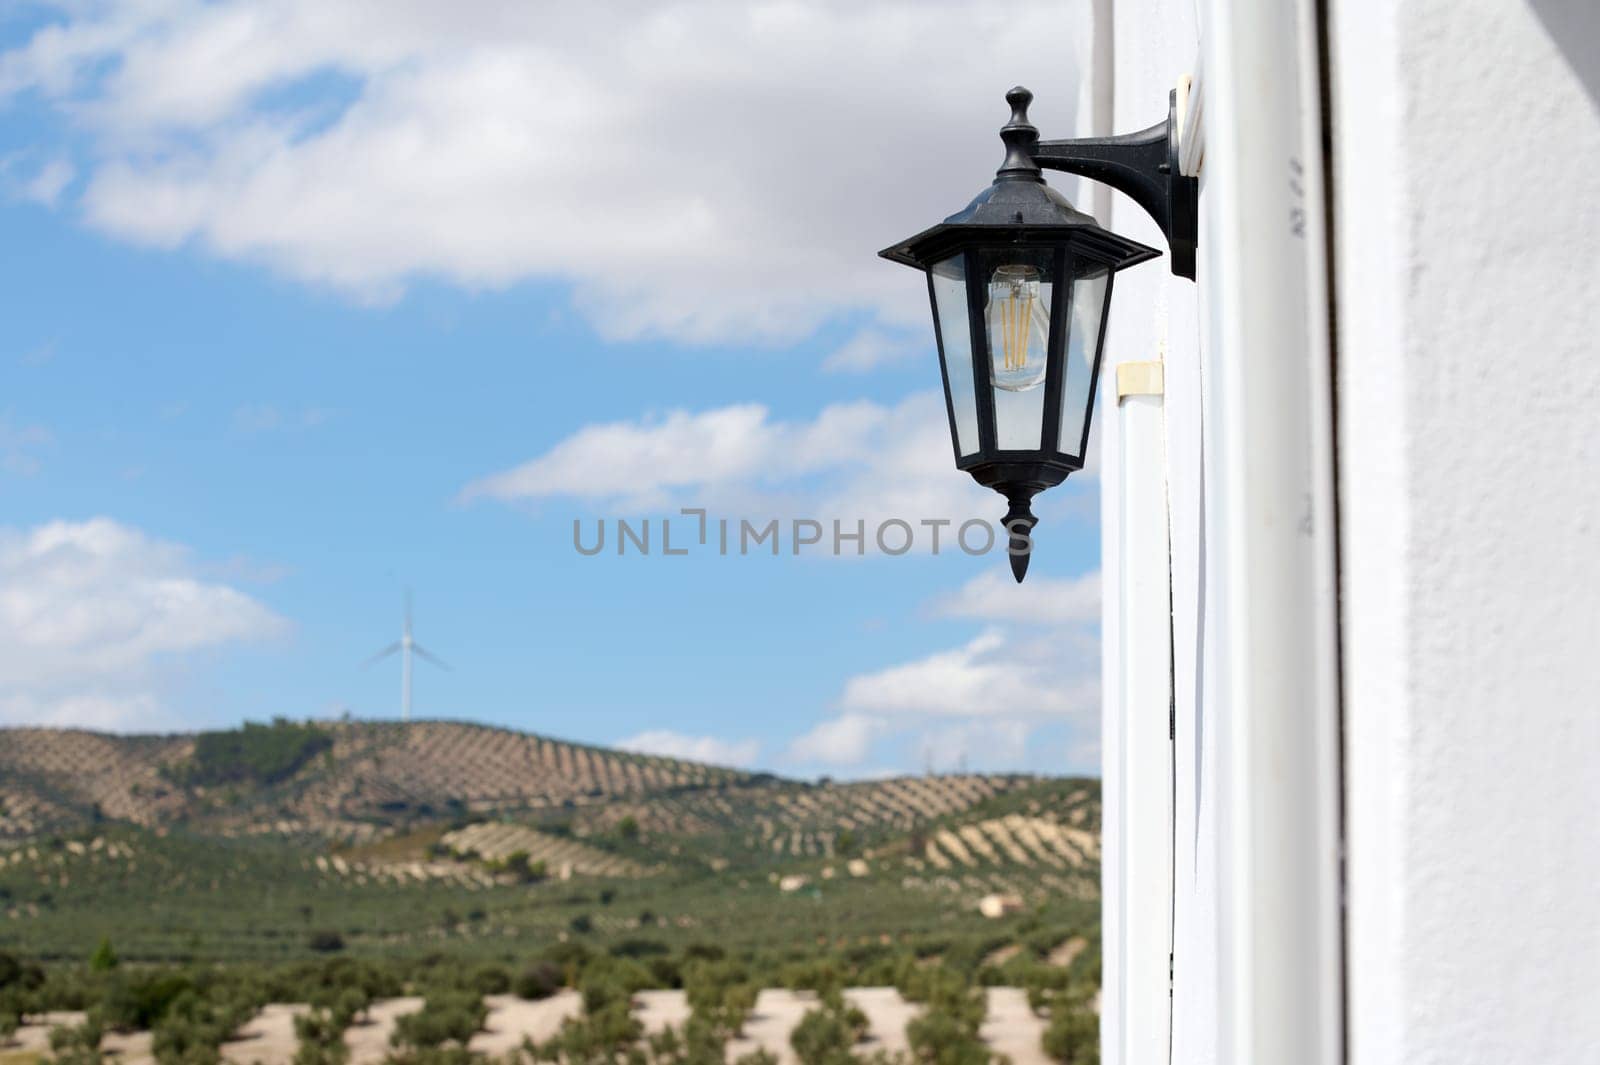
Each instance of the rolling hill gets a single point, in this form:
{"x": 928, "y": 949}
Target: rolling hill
{"x": 407, "y": 838}
{"x": 361, "y": 775}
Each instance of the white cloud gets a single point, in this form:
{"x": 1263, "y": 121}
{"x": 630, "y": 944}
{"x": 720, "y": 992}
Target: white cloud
{"x": 983, "y": 702}
{"x": 107, "y": 713}
{"x": 23, "y": 178}
{"x": 90, "y": 610}
{"x": 851, "y": 461}
{"x": 712, "y": 170}
{"x": 869, "y": 349}
{"x": 839, "y": 741}
{"x": 996, "y": 596}
{"x": 618, "y": 460}
{"x": 983, "y": 744}
{"x": 708, "y": 749}
{"x": 46, "y": 184}
{"x": 997, "y": 674}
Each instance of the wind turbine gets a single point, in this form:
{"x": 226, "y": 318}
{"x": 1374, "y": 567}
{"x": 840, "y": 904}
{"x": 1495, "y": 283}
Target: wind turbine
{"x": 406, "y": 647}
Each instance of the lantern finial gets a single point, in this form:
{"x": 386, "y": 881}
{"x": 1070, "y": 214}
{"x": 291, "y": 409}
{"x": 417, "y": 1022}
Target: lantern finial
{"x": 1019, "y": 136}
{"x": 1019, "y": 97}
{"x": 1019, "y": 522}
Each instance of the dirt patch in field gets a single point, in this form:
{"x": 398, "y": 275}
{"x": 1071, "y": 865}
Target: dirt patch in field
{"x": 1066, "y": 952}
{"x": 512, "y": 1019}
{"x": 887, "y": 1015}
{"x": 33, "y": 1037}
{"x": 1003, "y": 955}
{"x": 777, "y": 1012}
{"x": 10, "y": 1055}
{"x": 1012, "y": 1028}
{"x": 658, "y": 1010}
{"x": 128, "y": 1048}
{"x": 268, "y": 1038}
{"x": 369, "y": 1040}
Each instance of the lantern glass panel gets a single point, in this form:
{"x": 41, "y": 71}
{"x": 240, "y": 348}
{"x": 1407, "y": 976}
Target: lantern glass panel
{"x": 955, "y": 338}
{"x": 1019, "y": 285}
{"x": 1083, "y": 341}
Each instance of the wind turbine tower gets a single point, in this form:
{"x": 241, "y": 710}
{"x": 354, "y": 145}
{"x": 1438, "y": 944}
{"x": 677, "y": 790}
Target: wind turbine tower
{"x": 405, "y": 647}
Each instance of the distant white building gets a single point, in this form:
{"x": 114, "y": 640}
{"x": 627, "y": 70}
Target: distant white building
{"x": 1352, "y": 552}
{"x": 994, "y": 906}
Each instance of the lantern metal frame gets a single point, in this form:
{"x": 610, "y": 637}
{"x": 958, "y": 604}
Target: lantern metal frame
{"x": 1020, "y": 213}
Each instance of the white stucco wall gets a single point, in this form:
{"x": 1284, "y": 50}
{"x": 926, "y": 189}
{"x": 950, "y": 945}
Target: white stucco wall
{"x": 1155, "y": 316}
{"x": 1466, "y": 250}
{"x": 1467, "y": 237}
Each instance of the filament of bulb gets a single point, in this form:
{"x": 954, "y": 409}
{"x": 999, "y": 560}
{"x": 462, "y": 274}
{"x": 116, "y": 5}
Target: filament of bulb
{"x": 1015, "y": 317}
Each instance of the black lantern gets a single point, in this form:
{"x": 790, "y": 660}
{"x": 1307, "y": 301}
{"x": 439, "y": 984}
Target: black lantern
{"x": 1020, "y": 282}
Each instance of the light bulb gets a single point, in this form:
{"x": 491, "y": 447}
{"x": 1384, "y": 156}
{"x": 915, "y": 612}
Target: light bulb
{"x": 1018, "y": 316}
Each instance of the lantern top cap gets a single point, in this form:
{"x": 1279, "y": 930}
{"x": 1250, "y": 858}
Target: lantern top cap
{"x": 1018, "y": 208}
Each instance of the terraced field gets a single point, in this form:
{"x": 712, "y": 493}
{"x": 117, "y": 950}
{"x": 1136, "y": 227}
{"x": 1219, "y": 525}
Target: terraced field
{"x": 562, "y": 858}
{"x": 1013, "y": 839}
{"x": 50, "y": 778}
{"x": 372, "y": 773}
{"x": 783, "y": 821}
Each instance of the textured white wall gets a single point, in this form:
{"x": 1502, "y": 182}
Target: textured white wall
{"x": 1155, "y": 315}
{"x": 1467, "y": 237}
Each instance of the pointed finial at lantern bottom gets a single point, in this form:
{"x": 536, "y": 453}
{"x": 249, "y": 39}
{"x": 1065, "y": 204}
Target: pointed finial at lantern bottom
{"x": 1019, "y": 566}
{"x": 1019, "y": 522}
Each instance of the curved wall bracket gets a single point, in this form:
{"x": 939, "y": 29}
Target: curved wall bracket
{"x": 1144, "y": 166}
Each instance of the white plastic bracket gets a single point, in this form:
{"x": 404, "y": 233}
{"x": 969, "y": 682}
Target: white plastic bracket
{"x": 1191, "y": 131}
{"x": 1141, "y": 379}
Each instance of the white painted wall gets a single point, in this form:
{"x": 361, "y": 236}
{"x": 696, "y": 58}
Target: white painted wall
{"x": 1139, "y": 865}
{"x": 1466, "y": 246}
{"x": 1467, "y": 236}
{"x": 1154, "y": 316}
{"x": 1256, "y": 968}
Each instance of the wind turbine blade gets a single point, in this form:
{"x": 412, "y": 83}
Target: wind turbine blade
{"x": 381, "y": 655}
{"x": 408, "y": 611}
{"x": 417, "y": 648}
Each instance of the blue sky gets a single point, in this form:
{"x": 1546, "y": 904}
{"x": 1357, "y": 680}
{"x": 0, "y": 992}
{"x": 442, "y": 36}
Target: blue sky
{"x": 306, "y": 305}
